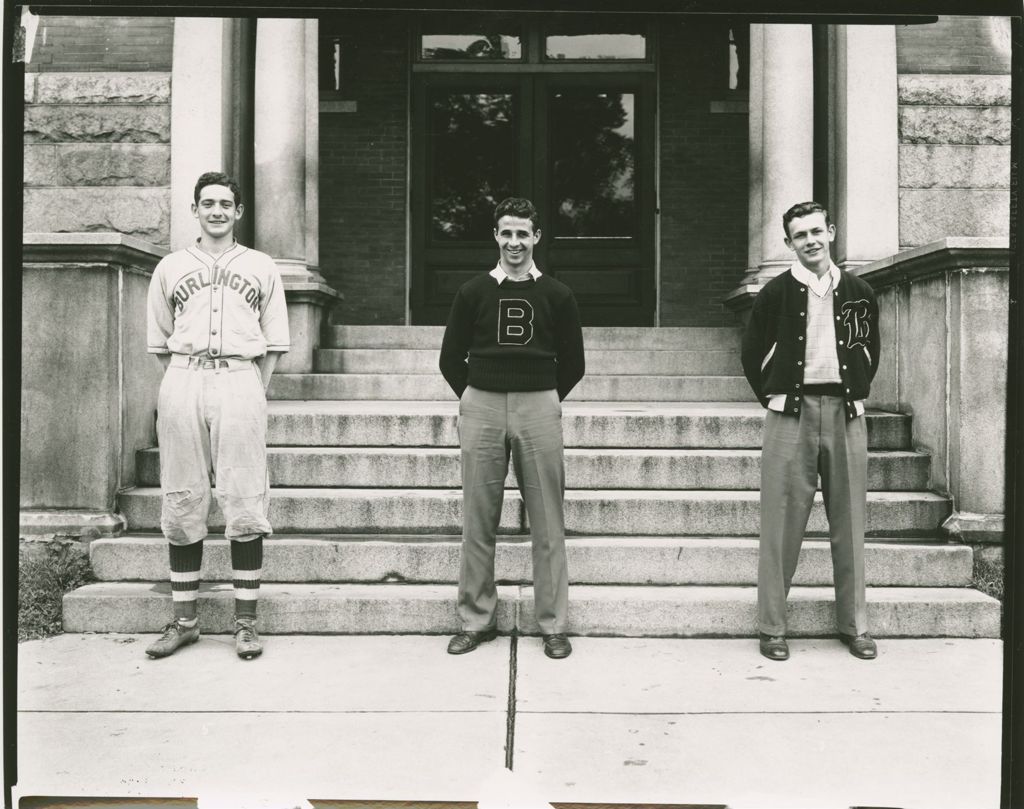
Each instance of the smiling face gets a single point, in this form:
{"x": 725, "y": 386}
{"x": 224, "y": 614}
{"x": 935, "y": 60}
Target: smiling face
{"x": 516, "y": 239}
{"x": 810, "y": 238}
{"x": 217, "y": 212}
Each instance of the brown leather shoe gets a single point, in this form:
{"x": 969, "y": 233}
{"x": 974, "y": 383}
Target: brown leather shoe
{"x": 467, "y": 641}
{"x": 774, "y": 647}
{"x": 862, "y": 646}
{"x": 557, "y": 646}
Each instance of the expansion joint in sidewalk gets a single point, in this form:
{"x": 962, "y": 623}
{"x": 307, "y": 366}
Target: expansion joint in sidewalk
{"x": 510, "y": 714}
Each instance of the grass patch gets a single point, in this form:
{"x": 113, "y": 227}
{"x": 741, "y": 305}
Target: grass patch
{"x": 988, "y": 578}
{"x": 44, "y": 576}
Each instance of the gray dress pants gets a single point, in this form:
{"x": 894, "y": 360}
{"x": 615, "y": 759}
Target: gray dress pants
{"x": 796, "y": 450}
{"x": 526, "y": 427}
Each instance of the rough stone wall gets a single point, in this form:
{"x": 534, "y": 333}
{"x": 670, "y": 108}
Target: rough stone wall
{"x": 954, "y": 123}
{"x": 703, "y": 177}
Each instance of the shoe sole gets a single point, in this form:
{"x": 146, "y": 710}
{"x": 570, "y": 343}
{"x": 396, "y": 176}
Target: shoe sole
{"x": 846, "y": 643}
{"x": 557, "y": 656}
{"x": 471, "y": 648}
{"x": 250, "y": 655}
{"x": 153, "y": 656}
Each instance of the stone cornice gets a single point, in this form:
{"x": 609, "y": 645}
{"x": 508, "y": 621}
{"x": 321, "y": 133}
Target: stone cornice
{"x": 311, "y": 292}
{"x": 115, "y": 249}
{"x": 946, "y": 255}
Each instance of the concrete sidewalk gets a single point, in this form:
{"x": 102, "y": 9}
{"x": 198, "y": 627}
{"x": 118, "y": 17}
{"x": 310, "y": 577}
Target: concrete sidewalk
{"x": 621, "y": 720}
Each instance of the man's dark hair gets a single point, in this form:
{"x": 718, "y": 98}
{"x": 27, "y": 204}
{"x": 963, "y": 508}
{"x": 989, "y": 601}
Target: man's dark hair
{"x": 217, "y": 178}
{"x": 803, "y": 209}
{"x": 519, "y": 207}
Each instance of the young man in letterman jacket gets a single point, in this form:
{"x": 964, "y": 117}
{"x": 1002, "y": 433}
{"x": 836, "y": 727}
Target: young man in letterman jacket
{"x": 810, "y": 352}
{"x": 512, "y": 350}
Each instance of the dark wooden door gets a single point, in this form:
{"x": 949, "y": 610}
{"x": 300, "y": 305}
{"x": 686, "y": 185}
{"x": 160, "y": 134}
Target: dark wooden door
{"x": 580, "y": 146}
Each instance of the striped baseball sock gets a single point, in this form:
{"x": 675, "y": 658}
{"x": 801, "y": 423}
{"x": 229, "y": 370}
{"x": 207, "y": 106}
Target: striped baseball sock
{"x": 246, "y": 566}
{"x": 186, "y": 560}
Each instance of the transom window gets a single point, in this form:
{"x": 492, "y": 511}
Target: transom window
{"x": 501, "y": 39}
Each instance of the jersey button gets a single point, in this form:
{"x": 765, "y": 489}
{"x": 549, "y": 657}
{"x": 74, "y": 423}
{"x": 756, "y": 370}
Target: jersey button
{"x": 215, "y": 309}
{"x": 214, "y": 351}
{"x": 213, "y": 332}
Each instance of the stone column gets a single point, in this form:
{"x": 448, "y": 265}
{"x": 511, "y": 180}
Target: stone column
{"x": 781, "y": 145}
{"x": 866, "y": 144}
{"x": 286, "y": 144}
{"x": 280, "y": 147}
{"x": 199, "y": 115}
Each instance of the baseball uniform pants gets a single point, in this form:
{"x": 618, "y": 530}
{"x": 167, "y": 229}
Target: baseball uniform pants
{"x": 212, "y": 430}
{"x": 796, "y": 450}
{"x": 526, "y": 426}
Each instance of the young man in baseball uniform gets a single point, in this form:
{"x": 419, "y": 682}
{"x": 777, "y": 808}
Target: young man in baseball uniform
{"x": 512, "y": 351}
{"x": 217, "y": 321}
{"x": 810, "y": 351}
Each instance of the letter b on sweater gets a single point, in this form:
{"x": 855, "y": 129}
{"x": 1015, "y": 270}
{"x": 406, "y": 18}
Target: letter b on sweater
{"x": 515, "y": 322}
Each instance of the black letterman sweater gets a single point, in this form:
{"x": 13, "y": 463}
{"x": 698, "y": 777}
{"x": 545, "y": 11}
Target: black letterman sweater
{"x": 514, "y": 336}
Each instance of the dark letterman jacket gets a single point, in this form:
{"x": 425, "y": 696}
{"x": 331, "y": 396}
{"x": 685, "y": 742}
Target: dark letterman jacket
{"x": 774, "y": 343}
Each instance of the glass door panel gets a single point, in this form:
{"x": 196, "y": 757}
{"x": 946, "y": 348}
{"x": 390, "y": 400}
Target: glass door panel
{"x": 467, "y": 159}
{"x": 593, "y": 164}
{"x": 471, "y": 152}
{"x": 596, "y": 174}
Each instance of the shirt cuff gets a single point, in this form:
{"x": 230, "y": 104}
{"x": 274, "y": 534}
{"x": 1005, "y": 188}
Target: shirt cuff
{"x": 777, "y": 403}
{"x": 858, "y": 405}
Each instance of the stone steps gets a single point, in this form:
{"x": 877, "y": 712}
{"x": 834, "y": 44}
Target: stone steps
{"x": 627, "y": 424}
{"x": 614, "y": 610}
{"x": 602, "y": 362}
{"x": 608, "y": 388}
{"x": 590, "y": 512}
{"x": 690, "y": 338}
{"x": 592, "y": 560}
{"x": 440, "y": 467}
{"x": 662, "y": 509}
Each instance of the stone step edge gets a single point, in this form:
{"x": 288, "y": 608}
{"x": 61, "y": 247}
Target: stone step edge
{"x": 426, "y": 539}
{"x": 649, "y": 561}
{"x": 447, "y": 451}
{"x": 577, "y": 495}
{"x": 516, "y": 605}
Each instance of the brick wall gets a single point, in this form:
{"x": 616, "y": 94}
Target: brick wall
{"x": 363, "y": 174}
{"x": 703, "y": 178}
{"x": 954, "y": 123}
{"x": 97, "y": 127}
{"x": 102, "y": 44}
{"x": 955, "y": 45}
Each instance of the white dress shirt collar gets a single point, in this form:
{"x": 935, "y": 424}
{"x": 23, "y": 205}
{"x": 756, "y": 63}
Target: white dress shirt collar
{"x": 819, "y": 286}
{"x": 499, "y": 274}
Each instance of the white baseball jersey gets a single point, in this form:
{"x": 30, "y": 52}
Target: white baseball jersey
{"x": 229, "y": 306}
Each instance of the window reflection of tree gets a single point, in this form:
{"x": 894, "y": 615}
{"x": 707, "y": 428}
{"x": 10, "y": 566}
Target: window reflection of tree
{"x": 593, "y": 153}
{"x": 490, "y": 46}
{"x": 473, "y": 151}
{"x": 739, "y": 42}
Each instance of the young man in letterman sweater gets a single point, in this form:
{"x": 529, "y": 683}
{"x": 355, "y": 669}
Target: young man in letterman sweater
{"x": 512, "y": 350}
{"x": 810, "y": 352}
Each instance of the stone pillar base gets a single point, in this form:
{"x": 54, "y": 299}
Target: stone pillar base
{"x": 307, "y": 301}
{"x": 974, "y": 529}
{"x": 46, "y": 523}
